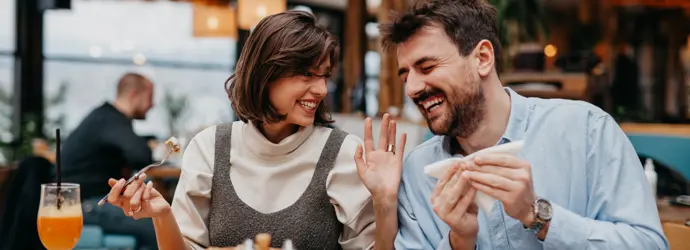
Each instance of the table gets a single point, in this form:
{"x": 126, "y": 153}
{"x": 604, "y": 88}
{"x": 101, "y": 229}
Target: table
{"x": 164, "y": 172}
{"x": 675, "y": 130}
{"x": 158, "y": 175}
{"x": 672, "y": 214}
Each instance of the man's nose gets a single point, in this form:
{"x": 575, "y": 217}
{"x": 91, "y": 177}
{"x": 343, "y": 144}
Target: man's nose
{"x": 413, "y": 85}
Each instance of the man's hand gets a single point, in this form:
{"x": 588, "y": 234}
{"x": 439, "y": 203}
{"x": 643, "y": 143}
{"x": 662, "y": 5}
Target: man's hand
{"x": 382, "y": 169}
{"x": 453, "y": 202}
{"x": 507, "y": 179}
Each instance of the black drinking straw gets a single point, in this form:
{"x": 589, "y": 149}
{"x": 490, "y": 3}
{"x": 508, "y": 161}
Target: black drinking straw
{"x": 59, "y": 169}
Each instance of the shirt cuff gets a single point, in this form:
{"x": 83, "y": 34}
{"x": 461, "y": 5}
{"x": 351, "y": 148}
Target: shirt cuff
{"x": 567, "y": 230}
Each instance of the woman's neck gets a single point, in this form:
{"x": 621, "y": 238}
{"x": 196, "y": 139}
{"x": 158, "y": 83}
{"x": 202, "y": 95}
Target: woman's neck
{"x": 276, "y": 132}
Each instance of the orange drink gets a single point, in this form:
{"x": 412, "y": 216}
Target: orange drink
{"x": 59, "y": 228}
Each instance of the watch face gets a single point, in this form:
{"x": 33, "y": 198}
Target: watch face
{"x": 544, "y": 209}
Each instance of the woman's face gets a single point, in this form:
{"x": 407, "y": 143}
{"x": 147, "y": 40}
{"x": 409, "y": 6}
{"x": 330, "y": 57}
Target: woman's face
{"x": 299, "y": 96}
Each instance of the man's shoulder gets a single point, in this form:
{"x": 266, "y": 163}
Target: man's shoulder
{"x": 547, "y": 111}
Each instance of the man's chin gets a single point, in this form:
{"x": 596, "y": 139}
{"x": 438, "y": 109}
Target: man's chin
{"x": 438, "y": 126}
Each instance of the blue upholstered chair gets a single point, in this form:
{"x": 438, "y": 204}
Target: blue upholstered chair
{"x": 92, "y": 237}
{"x": 671, "y": 151}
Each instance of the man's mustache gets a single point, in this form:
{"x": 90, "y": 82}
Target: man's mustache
{"x": 426, "y": 93}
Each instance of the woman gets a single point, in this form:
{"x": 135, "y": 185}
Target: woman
{"x": 279, "y": 170}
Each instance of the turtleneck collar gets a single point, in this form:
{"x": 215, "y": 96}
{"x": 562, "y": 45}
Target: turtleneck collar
{"x": 262, "y": 148}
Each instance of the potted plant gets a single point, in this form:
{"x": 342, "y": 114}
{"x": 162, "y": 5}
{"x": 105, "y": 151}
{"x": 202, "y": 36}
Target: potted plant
{"x": 522, "y": 31}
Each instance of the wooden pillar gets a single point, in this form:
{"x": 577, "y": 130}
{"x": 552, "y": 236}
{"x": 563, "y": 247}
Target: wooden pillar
{"x": 675, "y": 88}
{"x": 354, "y": 48}
{"x": 390, "y": 86}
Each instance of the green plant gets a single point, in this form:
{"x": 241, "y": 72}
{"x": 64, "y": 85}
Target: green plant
{"x": 175, "y": 107}
{"x": 29, "y": 130}
{"x": 526, "y": 16}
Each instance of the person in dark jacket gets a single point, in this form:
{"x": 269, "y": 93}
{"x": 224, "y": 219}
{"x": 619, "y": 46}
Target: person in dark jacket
{"x": 105, "y": 146}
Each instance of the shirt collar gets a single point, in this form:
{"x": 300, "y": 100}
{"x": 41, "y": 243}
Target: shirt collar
{"x": 519, "y": 116}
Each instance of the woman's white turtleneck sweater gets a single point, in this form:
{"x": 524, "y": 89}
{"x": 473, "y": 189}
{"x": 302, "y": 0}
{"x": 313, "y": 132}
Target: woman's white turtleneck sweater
{"x": 269, "y": 177}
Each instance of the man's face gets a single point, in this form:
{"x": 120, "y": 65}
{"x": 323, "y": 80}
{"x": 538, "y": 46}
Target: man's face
{"x": 143, "y": 102}
{"x": 445, "y": 85}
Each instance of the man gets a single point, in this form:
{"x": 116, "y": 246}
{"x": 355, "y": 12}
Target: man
{"x": 577, "y": 184}
{"x": 105, "y": 146}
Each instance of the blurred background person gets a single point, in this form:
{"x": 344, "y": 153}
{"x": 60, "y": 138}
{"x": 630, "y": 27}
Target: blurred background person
{"x": 105, "y": 146}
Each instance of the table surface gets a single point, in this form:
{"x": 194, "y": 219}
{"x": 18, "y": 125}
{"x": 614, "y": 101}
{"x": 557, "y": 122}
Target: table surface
{"x": 669, "y": 213}
{"x": 163, "y": 172}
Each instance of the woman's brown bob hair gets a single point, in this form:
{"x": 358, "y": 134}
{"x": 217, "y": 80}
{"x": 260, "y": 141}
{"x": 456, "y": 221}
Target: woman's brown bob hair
{"x": 281, "y": 45}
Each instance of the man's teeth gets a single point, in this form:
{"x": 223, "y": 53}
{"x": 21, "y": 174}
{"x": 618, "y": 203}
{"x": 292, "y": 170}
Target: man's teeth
{"x": 431, "y": 102}
{"x": 309, "y": 105}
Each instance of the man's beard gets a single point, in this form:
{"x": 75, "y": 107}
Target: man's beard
{"x": 466, "y": 112}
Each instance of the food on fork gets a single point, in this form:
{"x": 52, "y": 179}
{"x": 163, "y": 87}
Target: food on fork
{"x": 174, "y": 144}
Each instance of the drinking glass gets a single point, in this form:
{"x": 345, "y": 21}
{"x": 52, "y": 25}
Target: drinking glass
{"x": 59, "y": 226}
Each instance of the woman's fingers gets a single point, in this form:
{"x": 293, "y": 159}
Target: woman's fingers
{"x": 149, "y": 189}
{"x": 391, "y": 133}
{"x": 135, "y": 202}
{"x": 383, "y": 135}
{"x": 115, "y": 191}
{"x": 368, "y": 137}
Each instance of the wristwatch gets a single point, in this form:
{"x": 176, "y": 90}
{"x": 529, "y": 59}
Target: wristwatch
{"x": 542, "y": 215}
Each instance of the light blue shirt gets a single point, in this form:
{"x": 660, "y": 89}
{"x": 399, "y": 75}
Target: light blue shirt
{"x": 581, "y": 161}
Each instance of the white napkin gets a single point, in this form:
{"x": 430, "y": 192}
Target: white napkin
{"x": 482, "y": 200}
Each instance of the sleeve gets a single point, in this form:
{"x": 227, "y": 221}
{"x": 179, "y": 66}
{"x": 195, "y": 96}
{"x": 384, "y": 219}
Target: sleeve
{"x": 133, "y": 148}
{"x": 351, "y": 200}
{"x": 191, "y": 203}
{"x": 621, "y": 211}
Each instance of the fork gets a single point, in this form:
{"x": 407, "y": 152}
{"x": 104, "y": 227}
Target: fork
{"x": 139, "y": 173}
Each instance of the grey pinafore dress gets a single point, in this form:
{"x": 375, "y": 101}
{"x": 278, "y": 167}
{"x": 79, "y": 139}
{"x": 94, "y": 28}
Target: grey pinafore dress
{"x": 310, "y": 222}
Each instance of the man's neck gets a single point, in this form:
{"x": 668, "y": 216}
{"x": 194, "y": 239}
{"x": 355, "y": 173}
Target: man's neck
{"x": 123, "y": 107}
{"x": 493, "y": 125}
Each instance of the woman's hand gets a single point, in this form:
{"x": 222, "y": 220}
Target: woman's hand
{"x": 138, "y": 200}
{"x": 382, "y": 169}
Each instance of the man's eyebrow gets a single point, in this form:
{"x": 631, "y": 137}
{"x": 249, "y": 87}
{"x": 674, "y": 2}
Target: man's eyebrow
{"x": 419, "y": 61}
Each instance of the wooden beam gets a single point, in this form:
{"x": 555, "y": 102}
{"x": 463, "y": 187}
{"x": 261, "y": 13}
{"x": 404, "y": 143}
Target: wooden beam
{"x": 354, "y": 48}
{"x": 390, "y": 86}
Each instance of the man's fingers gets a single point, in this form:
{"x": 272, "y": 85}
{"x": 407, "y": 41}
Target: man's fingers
{"x": 509, "y": 173}
{"x": 401, "y": 146}
{"x": 383, "y": 135}
{"x": 498, "y": 194}
{"x": 504, "y": 160}
{"x": 492, "y": 180}
{"x": 451, "y": 194}
{"x": 368, "y": 137}
{"x": 465, "y": 201}
{"x": 441, "y": 183}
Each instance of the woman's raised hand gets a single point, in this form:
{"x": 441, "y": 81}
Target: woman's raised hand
{"x": 138, "y": 200}
{"x": 382, "y": 169}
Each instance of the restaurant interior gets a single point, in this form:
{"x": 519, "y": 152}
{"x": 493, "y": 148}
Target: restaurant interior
{"x": 59, "y": 59}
